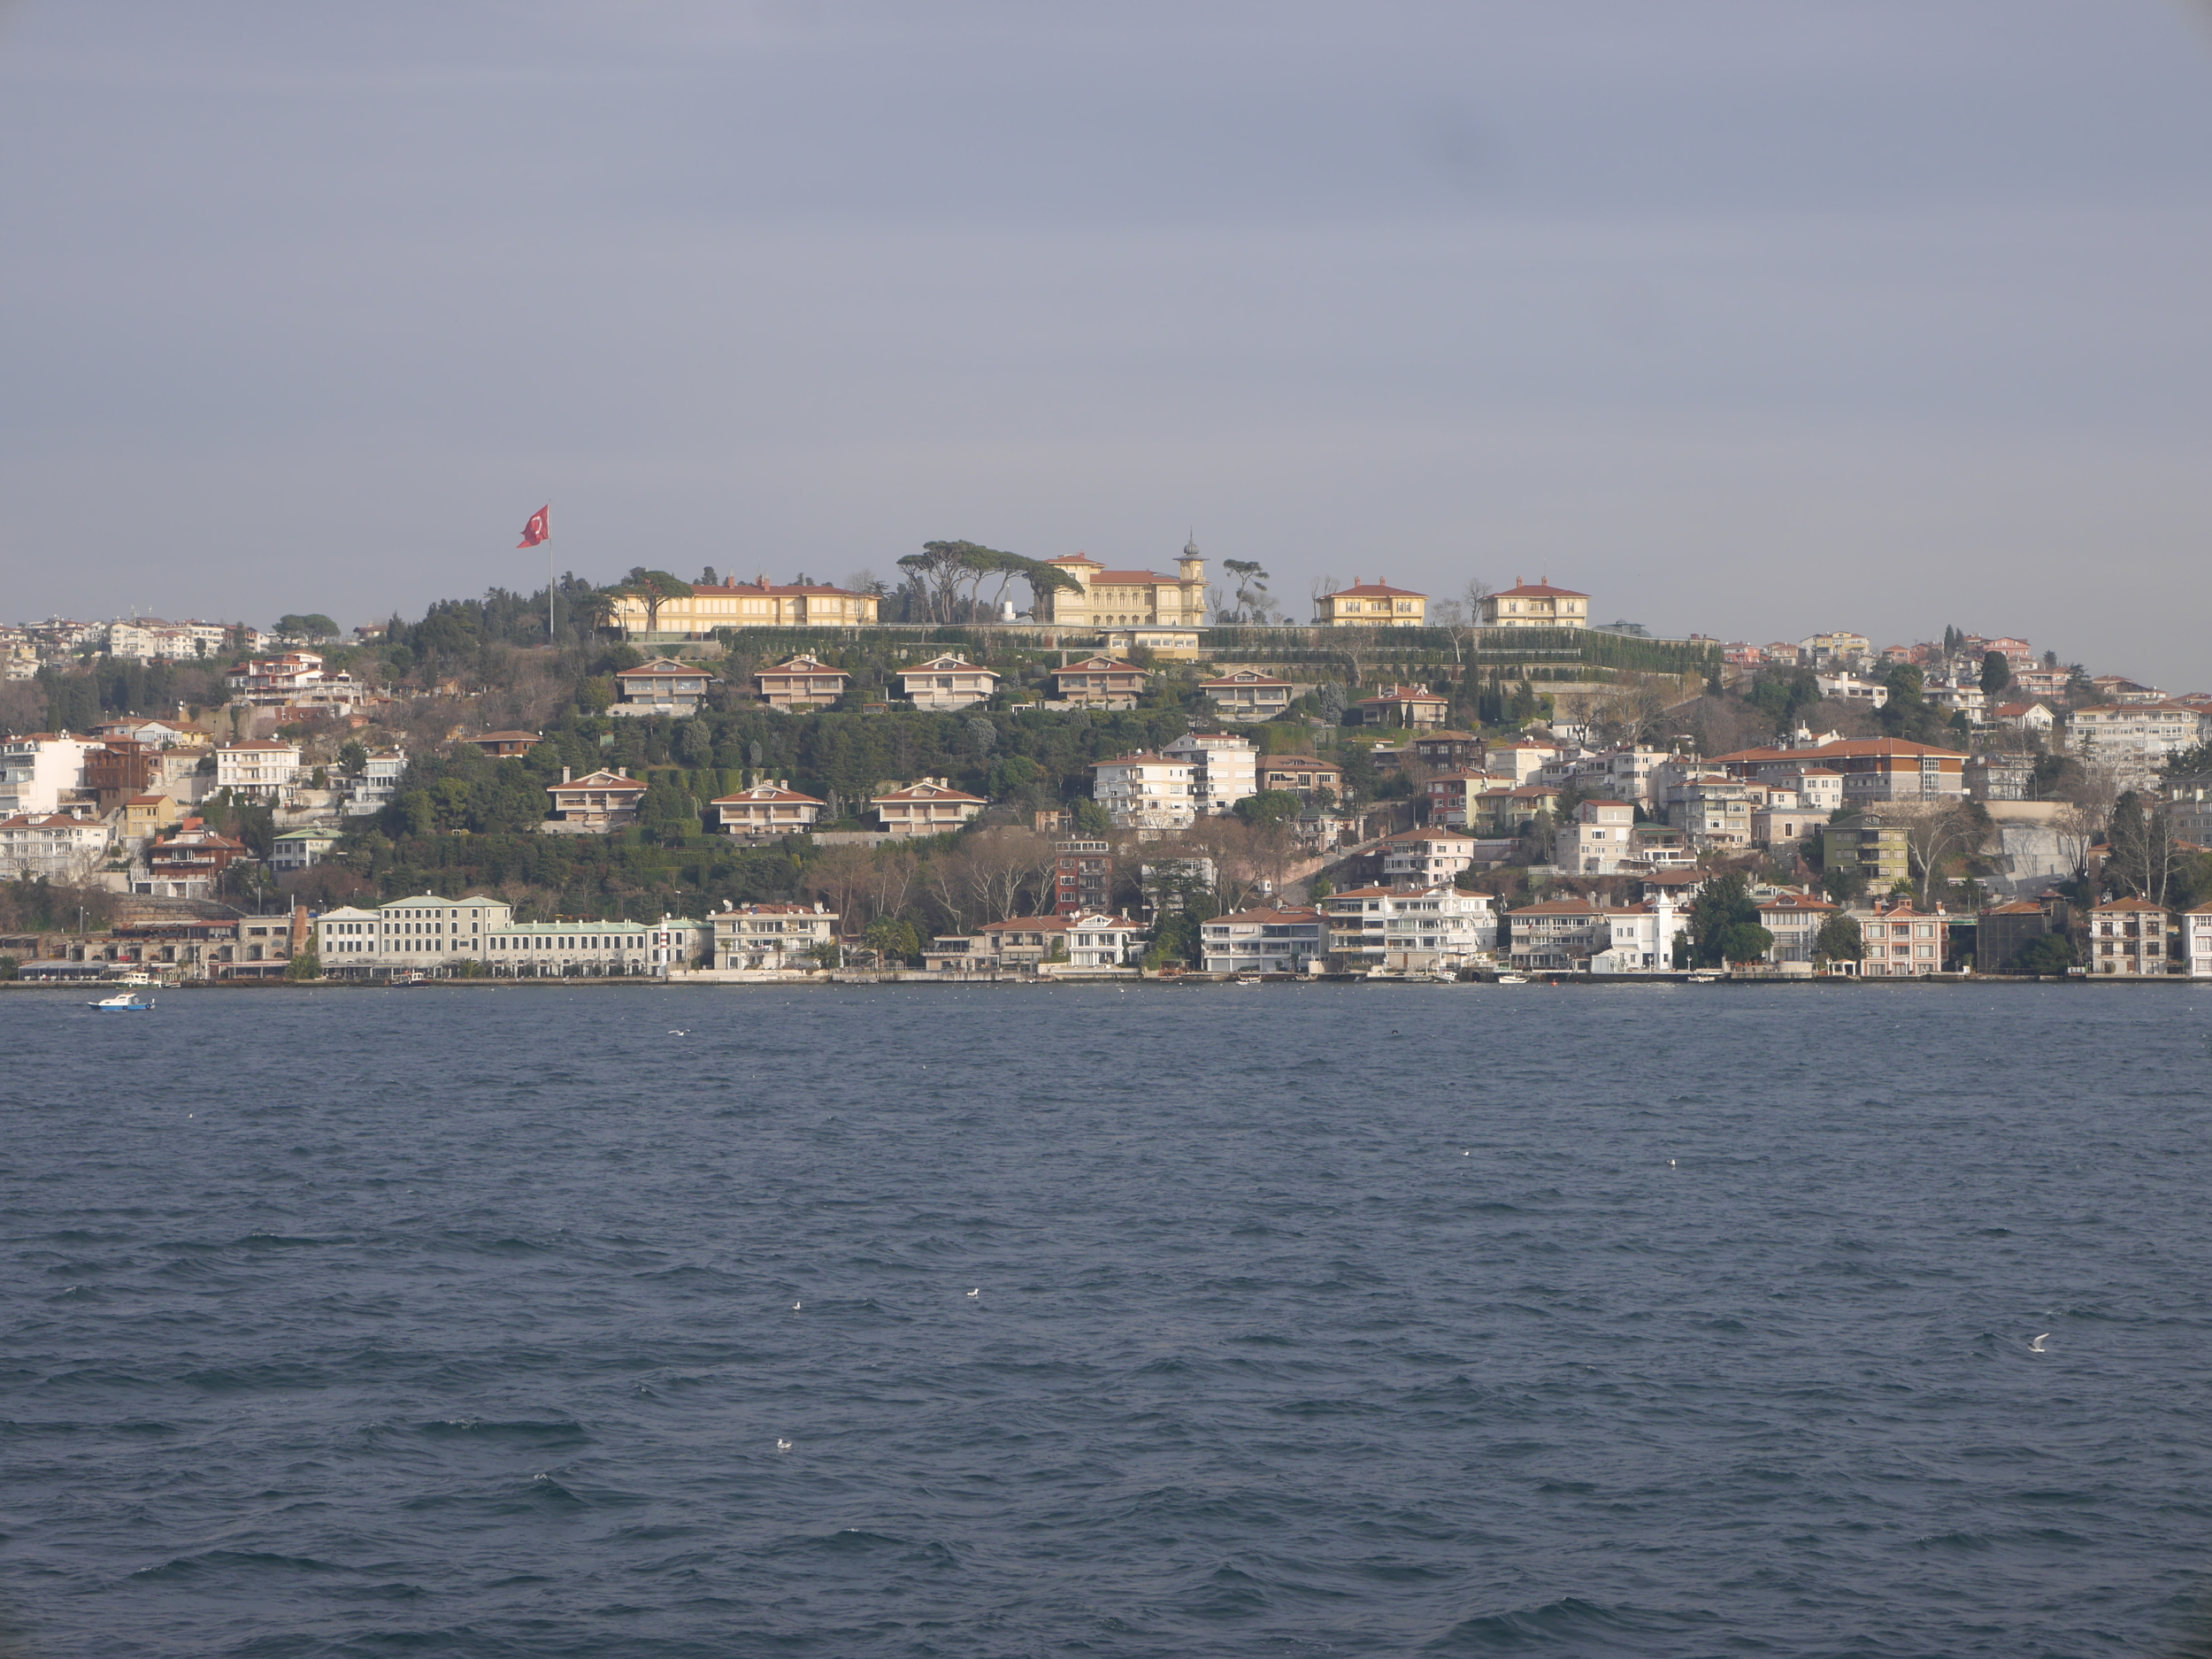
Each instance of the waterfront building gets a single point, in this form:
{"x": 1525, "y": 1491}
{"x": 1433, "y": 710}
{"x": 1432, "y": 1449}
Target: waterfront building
{"x": 1263, "y": 942}
{"x": 1416, "y": 930}
{"x": 2132, "y": 938}
{"x": 1083, "y": 877}
{"x": 2196, "y": 947}
{"x": 780, "y": 936}
{"x": 1900, "y": 941}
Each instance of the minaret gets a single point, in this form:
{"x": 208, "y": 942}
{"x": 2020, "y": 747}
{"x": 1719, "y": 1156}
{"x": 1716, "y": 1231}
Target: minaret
{"x": 1191, "y": 569}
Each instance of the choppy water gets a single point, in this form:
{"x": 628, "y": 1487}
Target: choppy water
{"x": 1313, "y": 1321}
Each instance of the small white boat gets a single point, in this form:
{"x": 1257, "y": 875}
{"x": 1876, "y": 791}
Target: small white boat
{"x": 1513, "y": 979}
{"x": 123, "y": 1002}
{"x": 1706, "y": 977}
{"x": 132, "y": 978}
{"x": 1246, "y": 979}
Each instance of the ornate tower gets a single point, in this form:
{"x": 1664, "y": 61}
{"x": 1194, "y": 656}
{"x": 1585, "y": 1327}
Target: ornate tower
{"x": 1190, "y": 573}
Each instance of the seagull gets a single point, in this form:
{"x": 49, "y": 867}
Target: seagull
{"x": 679, "y": 1034}
{"x": 796, "y": 1306}
{"x": 1669, "y": 1162}
{"x": 2036, "y": 1346}
{"x": 972, "y": 1294}
{"x": 783, "y": 1446}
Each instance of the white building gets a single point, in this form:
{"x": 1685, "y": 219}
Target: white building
{"x": 1853, "y": 689}
{"x": 436, "y": 936}
{"x": 1146, "y": 791}
{"x": 2133, "y": 740}
{"x": 1264, "y": 941}
{"x": 1637, "y": 939}
{"x": 947, "y": 683}
{"x": 1225, "y": 769}
{"x": 1392, "y": 931}
{"x": 2196, "y": 942}
{"x": 373, "y": 789}
{"x": 36, "y": 770}
{"x": 53, "y": 845}
{"x": 261, "y": 769}
{"x": 773, "y": 935}
{"x": 298, "y": 849}
{"x": 1426, "y": 858}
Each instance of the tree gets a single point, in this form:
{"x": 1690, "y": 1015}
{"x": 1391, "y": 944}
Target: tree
{"x": 2050, "y": 953}
{"x": 694, "y": 743}
{"x": 1933, "y": 832}
{"x": 2143, "y": 854}
{"x": 1270, "y": 807}
{"x": 1838, "y": 941}
{"x": 1252, "y": 601}
{"x": 353, "y": 758}
{"x": 656, "y": 589}
{"x": 1996, "y": 672}
{"x": 311, "y": 626}
{"x": 1724, "y": 922}
{"x": 306, "y": 965}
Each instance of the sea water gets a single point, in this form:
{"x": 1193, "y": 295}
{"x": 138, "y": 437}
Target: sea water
{"x": 1303, "y": 1320}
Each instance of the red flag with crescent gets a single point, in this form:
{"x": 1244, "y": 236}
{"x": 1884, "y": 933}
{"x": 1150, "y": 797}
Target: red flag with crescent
{"x": 537, "y": 529}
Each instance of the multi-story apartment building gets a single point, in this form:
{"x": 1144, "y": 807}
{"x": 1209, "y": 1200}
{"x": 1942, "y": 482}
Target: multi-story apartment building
{"x": 1082, "y": 877}
{"x": 259, "y": 769}
{"x": 660, "y": 687}
{"x": 1225, "y": 769}
{"x": 437, "y": 936}
{"x": 766, "y": 809}
{"x": 1823, "y": 649}
{"x": 698, "y": 609}
{"x": 1372, "y": 605}
{"x": 947, "y": 682}
{"x": 929, "y": 806}
{"x": 1595, "y": 840}
{"x": 2189, "y": 807}
{"x": 1249, "y": 695}
{"x": 1712, "y": 811}
{"x": 1536, "y": 604}
{"x": 1521, "y": 760}
{"x": 1142, "y": 790}
{"x": 801, "y": 682}
{"x": 2133, "y": 739}
{"x": 1302, "y": 775}
{"x": 1877, "y": 849}
{"x": 1557, "y": 935}
{"x": 37, "y": 769}
{"x": 1423, "y": 859}
{"x": 2130, "y": 937}
{"x": 1873, "y": 770}
{"x": 371, "y": 788}
{"x": 1394, "y": 930}
{"x": 52, "y": 845}
{"x": 1264, "y": 941}
{"x": 1125, "y": 598}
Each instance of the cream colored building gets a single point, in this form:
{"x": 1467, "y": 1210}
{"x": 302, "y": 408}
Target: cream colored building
{"x": 801, "y": 682}
{"x": 1536, "y": 605}
{"x": 1249, "y": 695}
{"x": 766, "y": 809}
{"x": 929, "y": 807}
{"x": 697, "y": 613}
{"x": 947, "y": 683}
{"x": 1373, "y": 605}
{"x": 1147, "y": 791}
{"x": 1126, "y": 598}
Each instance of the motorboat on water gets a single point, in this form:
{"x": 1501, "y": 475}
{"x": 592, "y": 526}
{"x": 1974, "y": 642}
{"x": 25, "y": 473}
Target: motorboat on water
{"x": 1706, "y": 978}
{"x": 123, "y": 1002}
{"x": 1513, "y": 979}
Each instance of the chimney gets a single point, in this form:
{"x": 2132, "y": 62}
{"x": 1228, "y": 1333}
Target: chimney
{"x": 621, "y": 771}
{"x": 564, "y": 774}
{"x": 299, "y": 930}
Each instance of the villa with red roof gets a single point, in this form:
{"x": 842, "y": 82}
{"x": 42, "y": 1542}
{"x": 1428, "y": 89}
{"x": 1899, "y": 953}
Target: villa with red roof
{"x": 1373, "y": 605}
{"x": 1536, "y": 605}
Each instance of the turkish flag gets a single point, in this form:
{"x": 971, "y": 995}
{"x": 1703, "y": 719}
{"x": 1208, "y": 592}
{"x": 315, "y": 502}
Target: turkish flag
{"x": 537, "y": 529}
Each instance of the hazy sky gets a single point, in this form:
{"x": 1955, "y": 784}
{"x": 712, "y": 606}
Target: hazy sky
{"x": 1748, "y": 318}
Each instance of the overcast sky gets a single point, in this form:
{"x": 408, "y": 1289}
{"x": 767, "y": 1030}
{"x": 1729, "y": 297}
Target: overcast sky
{"x": 1754, "y": 318}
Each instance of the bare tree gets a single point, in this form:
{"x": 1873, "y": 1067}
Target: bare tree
{"x": 2078, "y": 828}
{"x": 1934, "y": 831}
{"x": 895, "y": 872}
{"x": 1322, "y": 587}
{"x": 840, "y": 875}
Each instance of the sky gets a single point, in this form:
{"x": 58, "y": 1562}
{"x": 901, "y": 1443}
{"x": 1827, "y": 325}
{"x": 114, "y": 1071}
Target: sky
{"x": 1751, "y": 317}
